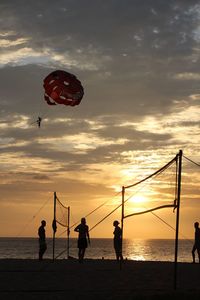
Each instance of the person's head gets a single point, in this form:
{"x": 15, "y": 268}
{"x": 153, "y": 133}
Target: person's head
{"x": 196, "y": 224}
{"x": 83, "y": 221}
{"x": 115, "y": 223}
{"x": 43, "y": 222}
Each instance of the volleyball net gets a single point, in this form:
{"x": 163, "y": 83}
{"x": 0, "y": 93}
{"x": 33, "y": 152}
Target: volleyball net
{"x": 61, "y": 214}
{"x": 156, "y": 191}
{"x": 61, "y": 217}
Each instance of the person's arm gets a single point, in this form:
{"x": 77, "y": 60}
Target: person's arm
{"x": 76, "y": 228}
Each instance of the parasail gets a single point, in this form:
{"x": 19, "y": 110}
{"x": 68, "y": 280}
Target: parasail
{"x": 62, "y": 88}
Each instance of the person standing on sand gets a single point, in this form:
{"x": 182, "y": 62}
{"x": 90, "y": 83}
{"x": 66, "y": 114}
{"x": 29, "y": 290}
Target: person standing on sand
{"x": 117, "y": 241}
{"x": 196, "y": 242}
{"x": 83, "y": 231}
{"x": 42, "y": 239}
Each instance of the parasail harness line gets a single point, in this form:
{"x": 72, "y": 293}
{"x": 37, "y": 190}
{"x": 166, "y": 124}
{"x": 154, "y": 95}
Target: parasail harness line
{"x": 38, "y": 121}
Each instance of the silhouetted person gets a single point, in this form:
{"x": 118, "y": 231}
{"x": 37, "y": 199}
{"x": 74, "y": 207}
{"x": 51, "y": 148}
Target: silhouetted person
{"x": 117, "y": 241}
{"x": 39, "y": 120}
{"x": 42, "y": 239}
{"x": 83, "y": 235}
{"x": 196, "y": 246}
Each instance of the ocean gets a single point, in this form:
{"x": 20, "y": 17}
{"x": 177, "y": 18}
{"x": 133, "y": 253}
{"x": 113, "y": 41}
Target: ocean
{"x": 138, "y": 249}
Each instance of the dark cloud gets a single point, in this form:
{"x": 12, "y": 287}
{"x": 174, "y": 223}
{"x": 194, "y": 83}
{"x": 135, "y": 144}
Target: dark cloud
{"x": 41, "y": 177}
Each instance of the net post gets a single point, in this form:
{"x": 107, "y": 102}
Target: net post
{"x": 68, "y": 230}
{"x": 122, "y": 223}
{"x": 54, "y": 222}
{"x": 177, "y": 216}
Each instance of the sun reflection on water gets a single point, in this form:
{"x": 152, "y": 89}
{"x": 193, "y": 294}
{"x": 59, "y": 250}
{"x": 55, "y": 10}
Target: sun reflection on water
{"x": 137, "y": 249}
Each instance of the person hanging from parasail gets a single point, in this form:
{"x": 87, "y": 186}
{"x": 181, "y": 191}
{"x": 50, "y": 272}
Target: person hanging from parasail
{"x": 39, "y": 120}
{"x": 61, "y": 87}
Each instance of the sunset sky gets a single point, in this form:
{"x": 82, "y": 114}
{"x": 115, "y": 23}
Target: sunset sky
{"x": 139, "y": 62}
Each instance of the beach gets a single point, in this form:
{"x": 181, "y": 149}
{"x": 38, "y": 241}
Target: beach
{"x": 97, "y": 279}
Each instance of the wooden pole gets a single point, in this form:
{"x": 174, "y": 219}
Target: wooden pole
{"x": 122, "y": 222}
{"x": 177, "y": 216}
{"x": 54, "y": 222}
{"x": 68, "y": 231}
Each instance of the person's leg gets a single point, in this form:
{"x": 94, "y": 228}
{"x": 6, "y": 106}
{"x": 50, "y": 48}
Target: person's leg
{"x": 198, "y": 251}
{"x": 41, "y": 252}
{"x": 118, "y": 251}
{"x": 193, "y": 253}
{"x": 44, "y": 248}
{"x": 116, "y": 254}
{"x": 79, "y": 254}
{"x": 121, "y": 257}
{"x": 83, "y": 253}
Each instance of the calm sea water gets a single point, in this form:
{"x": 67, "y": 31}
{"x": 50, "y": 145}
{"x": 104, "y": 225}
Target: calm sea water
{"x": 149, "y": 250}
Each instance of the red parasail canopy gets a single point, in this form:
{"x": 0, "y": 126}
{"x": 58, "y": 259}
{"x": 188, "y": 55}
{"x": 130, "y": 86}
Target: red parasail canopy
{"x": 62, "y": 88}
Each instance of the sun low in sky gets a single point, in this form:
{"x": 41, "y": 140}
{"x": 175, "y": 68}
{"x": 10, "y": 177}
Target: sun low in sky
{"x": 138, "y": 62}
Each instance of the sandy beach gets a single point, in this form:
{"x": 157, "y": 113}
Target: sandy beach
{"x": 97, "y": 279}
